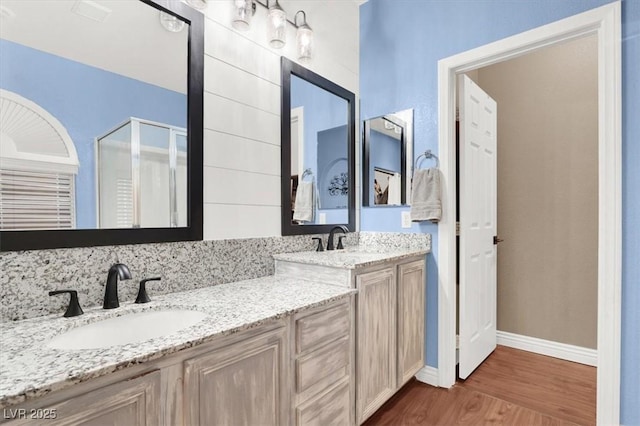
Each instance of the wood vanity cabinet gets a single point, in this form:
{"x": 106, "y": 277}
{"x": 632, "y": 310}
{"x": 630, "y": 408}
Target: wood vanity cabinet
{"x": 293, "y": 370}
{"x": 390, "y": 331}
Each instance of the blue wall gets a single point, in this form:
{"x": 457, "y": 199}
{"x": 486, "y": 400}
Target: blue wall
{"x": 88, "y": 102}
{"x": 401, "y": 42}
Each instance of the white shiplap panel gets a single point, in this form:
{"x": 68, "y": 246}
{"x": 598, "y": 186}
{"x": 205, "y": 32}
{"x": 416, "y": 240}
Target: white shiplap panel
{"x": 235, "y": 49}
{"x": 225, "y": 186}
{"x": 233, "y": 152}
{"x": 228, "y": 221}
{"x": 231, "y": 117}
{"x": 230, "y": 82}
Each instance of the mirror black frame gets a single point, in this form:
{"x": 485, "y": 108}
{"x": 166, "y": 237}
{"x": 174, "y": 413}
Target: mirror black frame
{"x": 367, "y": 200}
{"x": 289, "y": 68}
{"x": 35, "y": 240}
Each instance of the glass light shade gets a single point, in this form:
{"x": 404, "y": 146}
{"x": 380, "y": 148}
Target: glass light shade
{"x": 197, "y": 4}
{"x": 277, "y": 27}
{"x": 171, "y": 23}
{"x": 305, "y": 43}
{"x": 242, "y": 14}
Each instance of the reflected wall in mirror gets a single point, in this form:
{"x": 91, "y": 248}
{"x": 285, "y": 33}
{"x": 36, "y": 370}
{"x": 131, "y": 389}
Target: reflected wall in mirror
{"x": 318, "y": 131}
{"x": 387, "y": 166}
{"x": 99, "y": 104}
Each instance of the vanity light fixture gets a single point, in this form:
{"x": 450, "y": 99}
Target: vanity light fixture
{"x": 243, "y": 11}
{"x": 276, "y": 25}
{"x": 304, "y": 38}
{"x": 170, "y": 22}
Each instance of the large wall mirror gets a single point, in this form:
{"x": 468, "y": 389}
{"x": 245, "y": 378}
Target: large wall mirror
{"x": 101, "y": 123}
{"x": 318, "y": 152}
{"x": 387, "y": 165}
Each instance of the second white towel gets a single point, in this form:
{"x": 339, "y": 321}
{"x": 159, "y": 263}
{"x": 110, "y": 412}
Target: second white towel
{"x": 303, "y": 208}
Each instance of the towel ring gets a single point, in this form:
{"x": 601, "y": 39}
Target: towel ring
{"x": 307, "y": 172}
{"x": 427, "y": 154}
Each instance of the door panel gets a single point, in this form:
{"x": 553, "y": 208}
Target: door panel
{"x": 478, "y": 192}
{"x": 376, "y": 343}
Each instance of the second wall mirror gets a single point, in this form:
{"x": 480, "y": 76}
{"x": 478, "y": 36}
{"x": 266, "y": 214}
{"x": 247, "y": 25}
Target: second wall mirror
{"x": 318, "y": 153}
{"x": 388, "y": 154}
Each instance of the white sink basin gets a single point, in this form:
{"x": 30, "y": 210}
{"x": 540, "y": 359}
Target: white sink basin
{"x": 131, "y": 328}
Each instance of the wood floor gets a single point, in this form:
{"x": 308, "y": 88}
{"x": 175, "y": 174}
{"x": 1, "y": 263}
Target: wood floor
{"x": 511, "y": 387}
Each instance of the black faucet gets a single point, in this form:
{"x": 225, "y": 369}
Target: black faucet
{"x": 111, "y": 290}
{"x": 339, "y": 228}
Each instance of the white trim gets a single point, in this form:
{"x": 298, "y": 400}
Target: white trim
{"x": 29, "y": 164}
{"x": 603, "y": 21}
{"x": 428, "y": 375}
{"x": 297, "y": 115}
{"x": 547, "y": 347}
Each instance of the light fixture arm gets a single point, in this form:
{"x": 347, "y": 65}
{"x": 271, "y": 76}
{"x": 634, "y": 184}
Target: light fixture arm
{"x": 304, "y": 19}
{"x": 265, "y": 4}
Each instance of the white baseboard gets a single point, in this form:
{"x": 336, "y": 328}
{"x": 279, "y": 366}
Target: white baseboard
{"x": 428, "y": 375}
{"x": 546, "y": 347}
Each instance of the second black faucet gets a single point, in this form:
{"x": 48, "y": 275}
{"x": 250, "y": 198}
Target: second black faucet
{"x": 339, "y": 228}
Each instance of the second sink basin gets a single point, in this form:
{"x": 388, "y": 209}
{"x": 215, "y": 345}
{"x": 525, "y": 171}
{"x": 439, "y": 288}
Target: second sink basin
{"x": 131, "y": 328}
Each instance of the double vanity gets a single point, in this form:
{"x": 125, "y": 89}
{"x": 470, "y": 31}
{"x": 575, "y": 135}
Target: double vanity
{"x": 326, "y": 340}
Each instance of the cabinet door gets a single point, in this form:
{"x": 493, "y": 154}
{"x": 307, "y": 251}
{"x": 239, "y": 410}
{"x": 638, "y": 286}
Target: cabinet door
{"x": 376, "y": 359}
{"x": 134, "y": 402}
{"x": 411, "y": 302}
{"x": 241, "y": 384}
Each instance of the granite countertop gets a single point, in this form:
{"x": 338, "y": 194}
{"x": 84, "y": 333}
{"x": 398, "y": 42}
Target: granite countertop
{"x": 352, "y": 258}
{"x": 29, "y": 369}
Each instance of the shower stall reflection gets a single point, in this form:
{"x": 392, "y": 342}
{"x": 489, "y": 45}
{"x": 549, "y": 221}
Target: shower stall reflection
{"x": 141, "y": 171}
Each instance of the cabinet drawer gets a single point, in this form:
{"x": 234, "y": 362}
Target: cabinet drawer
{"x": 324, "y": 366}
{"x": 314, "y": 330}
{"x": 331, "y": 408}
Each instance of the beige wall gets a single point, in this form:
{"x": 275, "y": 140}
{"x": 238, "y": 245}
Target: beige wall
{"x": 547, "y": 192}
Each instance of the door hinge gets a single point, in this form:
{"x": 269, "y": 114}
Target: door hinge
{"x": 457, "y": 229}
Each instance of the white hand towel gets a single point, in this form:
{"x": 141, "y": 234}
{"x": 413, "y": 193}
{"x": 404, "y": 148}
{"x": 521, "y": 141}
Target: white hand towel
{"x": 303, "y": 208}
{"x": 426, "y": 195}
{"x": 395, "y": 198}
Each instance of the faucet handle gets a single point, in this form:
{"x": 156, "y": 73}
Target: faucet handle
{"x": 143, "y": 297}
{"x": 340, "y": 246}
{"x": 319, "y": 248}
{"x": 74, "y": 309}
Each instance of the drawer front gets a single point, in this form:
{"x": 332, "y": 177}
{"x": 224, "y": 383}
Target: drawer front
{"x": 317, "y": 329}
{"x": 331, "y": 408}
{"x": 324, "y": 366}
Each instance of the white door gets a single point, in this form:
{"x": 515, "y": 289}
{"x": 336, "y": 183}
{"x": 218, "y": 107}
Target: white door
{"x": 478, "y": 187}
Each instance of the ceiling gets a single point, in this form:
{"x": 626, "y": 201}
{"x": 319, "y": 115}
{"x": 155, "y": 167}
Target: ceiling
{"x": 130, "y": 41}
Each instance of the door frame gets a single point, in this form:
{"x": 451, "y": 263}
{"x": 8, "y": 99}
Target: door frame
{"x": 604, "y": 22}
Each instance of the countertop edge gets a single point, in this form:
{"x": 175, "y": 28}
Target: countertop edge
{"x": 393, "y": 256}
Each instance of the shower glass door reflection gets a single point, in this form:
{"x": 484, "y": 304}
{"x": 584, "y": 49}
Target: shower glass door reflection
{"x": 142, "y": 176}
